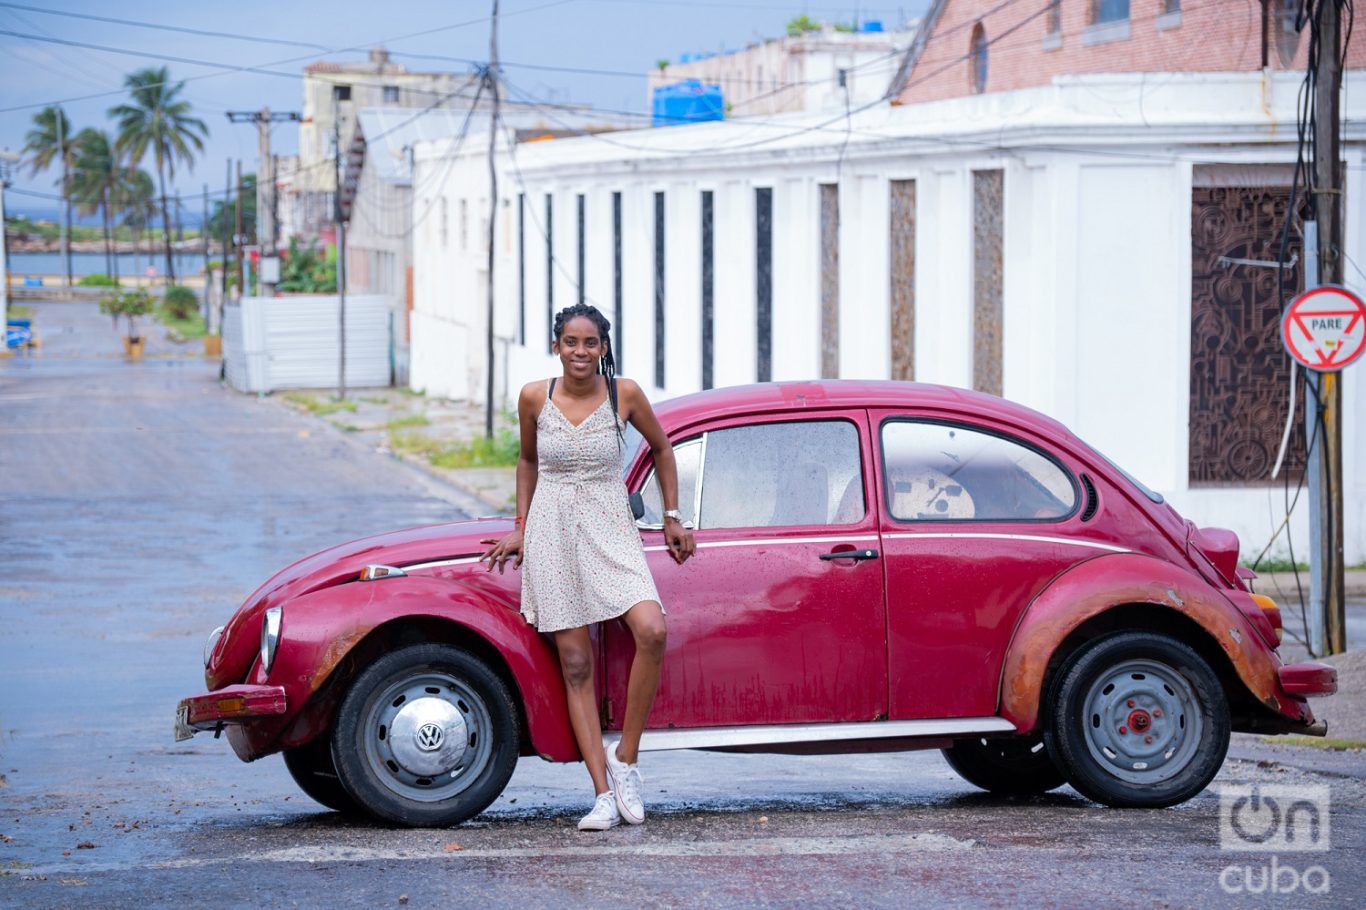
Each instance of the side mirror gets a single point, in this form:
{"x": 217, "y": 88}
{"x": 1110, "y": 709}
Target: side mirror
{"x": 637, "y": 506}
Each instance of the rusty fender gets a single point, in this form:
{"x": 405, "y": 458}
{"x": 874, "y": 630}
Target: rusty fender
{"x": 320, "y": 629}
{"x": 1110, "y": 581}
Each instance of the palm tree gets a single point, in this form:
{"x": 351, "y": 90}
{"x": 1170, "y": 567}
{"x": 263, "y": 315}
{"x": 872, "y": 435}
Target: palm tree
{"x": 136, "y": 198}
{"x": 51, "y": 139}
{"x": 158, "y": 122}
{"x": 94, "y": 180}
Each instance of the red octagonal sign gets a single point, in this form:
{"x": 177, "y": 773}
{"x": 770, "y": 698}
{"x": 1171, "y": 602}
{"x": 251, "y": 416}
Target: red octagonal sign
{"x": 1325, "y": 328}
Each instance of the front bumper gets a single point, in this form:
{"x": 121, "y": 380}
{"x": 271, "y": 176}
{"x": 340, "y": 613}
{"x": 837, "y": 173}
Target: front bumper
{"x": 229, "y": 705}
{"x": 1308, "y": 679}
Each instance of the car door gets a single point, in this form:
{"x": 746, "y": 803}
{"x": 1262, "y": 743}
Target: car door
{"x": 976, "y": 520}
{"x": 768, "y": 624}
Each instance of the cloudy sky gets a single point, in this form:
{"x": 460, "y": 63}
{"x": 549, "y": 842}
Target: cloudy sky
{"x": 626, "y": 36}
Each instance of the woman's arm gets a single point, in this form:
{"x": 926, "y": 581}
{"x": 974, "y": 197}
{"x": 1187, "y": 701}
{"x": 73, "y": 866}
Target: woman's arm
{"x": 527, "y": 410}
{"x": 642, "y": 417}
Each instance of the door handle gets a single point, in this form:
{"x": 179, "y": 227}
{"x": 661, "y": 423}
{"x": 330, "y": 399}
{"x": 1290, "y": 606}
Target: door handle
{"x": 850, "y": 554}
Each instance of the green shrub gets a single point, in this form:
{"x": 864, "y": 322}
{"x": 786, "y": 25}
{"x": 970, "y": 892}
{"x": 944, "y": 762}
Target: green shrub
{"x": 180, "y": 301}
{"x": 97, "y": 281}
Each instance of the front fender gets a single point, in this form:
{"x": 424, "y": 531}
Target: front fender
{"x": 319, "y": 630}
{"x": 1107, "y": 582}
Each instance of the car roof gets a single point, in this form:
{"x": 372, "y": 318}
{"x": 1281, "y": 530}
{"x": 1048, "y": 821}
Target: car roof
{"x": 777, "y": 397}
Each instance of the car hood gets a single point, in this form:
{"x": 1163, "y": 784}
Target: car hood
{"x": 236, "y": 648}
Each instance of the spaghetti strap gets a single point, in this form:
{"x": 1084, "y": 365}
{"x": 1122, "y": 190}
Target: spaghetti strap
{"x": 550, "y": 391}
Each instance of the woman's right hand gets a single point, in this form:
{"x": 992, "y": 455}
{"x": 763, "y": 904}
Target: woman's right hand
{"x": 502, "y": 550}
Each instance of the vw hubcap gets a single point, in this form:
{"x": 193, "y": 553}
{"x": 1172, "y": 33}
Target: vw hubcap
{"x": 1143, "y": 722}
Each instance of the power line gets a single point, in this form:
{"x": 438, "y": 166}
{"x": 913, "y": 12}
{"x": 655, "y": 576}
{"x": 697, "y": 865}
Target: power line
{"x": 161, "y": 27}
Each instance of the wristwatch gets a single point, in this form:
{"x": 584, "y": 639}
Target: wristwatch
{"x": 674, "y": 514}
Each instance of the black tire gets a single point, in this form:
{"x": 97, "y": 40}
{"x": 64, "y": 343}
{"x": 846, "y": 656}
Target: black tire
{"x": 312, "y": 769}
{"x": 426, "y": 736}
{"x": 1011, "y": 766}
{"x": 1137, "y": 720}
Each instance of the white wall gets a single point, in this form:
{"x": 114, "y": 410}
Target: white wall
{"x": 1097, "y": 260}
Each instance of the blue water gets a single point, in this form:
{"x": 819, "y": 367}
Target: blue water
{"x": 94, "y": 264}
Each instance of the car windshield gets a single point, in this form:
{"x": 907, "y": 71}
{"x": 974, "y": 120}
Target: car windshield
{"x": 1142, "y": 487}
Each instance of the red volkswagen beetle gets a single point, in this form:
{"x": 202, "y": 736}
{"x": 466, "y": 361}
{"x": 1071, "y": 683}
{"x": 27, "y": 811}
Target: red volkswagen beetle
{"x": 880, "y": 565}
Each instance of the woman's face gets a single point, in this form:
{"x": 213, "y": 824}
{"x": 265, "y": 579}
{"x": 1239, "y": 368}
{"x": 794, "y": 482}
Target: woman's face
{"x": 580, "y": 347}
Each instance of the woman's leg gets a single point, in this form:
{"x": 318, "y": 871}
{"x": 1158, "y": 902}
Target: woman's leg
{"x": 646, "y": 622}
{"x": 576, "y": 665}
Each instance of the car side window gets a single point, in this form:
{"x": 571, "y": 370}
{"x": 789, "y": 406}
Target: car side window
{"x": 782, "y": 474}
{"x": 945, "y": 472}
{"x": 688, "y": 456}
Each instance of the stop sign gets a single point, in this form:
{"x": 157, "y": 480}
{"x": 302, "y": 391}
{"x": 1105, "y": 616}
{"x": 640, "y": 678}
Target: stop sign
{"x": 1324, "y": 328}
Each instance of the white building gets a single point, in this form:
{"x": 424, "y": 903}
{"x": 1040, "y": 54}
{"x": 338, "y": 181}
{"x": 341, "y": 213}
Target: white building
{"x": 796, "y": 73}
{"x": 1040, "y": 243}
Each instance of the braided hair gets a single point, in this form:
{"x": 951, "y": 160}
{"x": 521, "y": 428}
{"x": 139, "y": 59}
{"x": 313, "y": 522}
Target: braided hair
{"x": 607, "y": 364}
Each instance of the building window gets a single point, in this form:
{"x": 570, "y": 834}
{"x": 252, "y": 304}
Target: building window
{"x": 1053, "y": 19}
{"x": 988, "y": 281}
{"x": 977, "y": 59}
{"x": 707, "y": 299}
{"x": 550, "y": 265}
{"x": 616, "y": 279}
{"x": 763, "y": 282}
{"x": 581, "y": 245}
{"x": 1171, "y": 6}
{"x": 1103, "y": 11}
{"x": 445, "y": 222}
{"x": 659, "y": 290}
{"x": 830, "y": 280}
{"x": 464, "y": 224}
{"x": 521, "y": 268}
{"x": 901, "y": 255}
{"x": 1288, "y": 36}
{"x": 391, "y": 94}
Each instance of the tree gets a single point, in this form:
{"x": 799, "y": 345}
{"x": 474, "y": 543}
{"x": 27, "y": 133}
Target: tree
{"x": 52, "y": 139}
{"x": 223, "y": 221}
{"x": 135, "y": 199}
{"x": 158, "y": 122}
{"x": 800, "y": 25}
{"x": 93, "y": 181}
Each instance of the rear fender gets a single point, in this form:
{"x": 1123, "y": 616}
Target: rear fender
{"x": 319, "y": 631}
{"x": 1121, "y": 580}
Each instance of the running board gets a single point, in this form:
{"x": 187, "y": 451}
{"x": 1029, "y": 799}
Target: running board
{"x": 780, "y": 734}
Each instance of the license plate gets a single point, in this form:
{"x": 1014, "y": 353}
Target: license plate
{"x": 183, "y": 730}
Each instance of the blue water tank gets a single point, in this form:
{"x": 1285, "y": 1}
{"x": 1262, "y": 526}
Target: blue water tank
{"x": 688, "y": 101}
{"x": 871, "y": 26}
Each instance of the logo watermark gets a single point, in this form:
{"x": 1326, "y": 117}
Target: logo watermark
{"x": 1274, "y": 819}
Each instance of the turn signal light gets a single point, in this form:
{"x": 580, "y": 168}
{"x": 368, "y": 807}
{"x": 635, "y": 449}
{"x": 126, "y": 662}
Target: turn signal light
{"x": 232, "y": 705}
{"x": 1271, "y": 612}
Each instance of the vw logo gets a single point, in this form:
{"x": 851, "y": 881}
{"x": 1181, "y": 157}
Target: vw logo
{"x": 430, "y": 737}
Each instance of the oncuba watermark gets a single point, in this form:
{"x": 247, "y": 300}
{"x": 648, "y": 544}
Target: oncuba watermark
{"x": 1274, "y": 819}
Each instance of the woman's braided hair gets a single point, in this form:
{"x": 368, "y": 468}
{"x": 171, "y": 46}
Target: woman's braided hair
{"x": 607, "y": 365}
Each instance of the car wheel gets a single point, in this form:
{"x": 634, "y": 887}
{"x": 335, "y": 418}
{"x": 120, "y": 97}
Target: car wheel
{"x": 1138, "y": 719}
{"x": 1016, "y": 766}
{"x": 426, "y": 736}
{"x": 312, "y": 769}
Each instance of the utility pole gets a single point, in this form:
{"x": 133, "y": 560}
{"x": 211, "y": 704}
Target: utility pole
{"x": 491, "y": 80}
{"x": 223, "y": 297}
{"x": 204, "y": 238}
{"x": 267, "y": 227}
{"x": 237, "y": 236}
{"x": 1327, "y": 600}
{"x": 7, "y": 160}
{"x": 340, "y": 93}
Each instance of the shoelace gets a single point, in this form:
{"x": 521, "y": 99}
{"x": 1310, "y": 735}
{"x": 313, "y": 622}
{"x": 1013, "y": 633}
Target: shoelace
{"x": 605, "y": 805}
{"x": 630, "y": 782}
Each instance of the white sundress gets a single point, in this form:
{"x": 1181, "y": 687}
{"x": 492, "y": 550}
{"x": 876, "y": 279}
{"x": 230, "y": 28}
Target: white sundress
{"x": 582, "y": 560}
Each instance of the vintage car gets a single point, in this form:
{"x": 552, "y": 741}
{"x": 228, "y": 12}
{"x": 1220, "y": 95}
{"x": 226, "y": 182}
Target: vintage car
{"x": 880, "y": 565}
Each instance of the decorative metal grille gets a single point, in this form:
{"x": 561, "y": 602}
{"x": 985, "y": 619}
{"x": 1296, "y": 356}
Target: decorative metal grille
{"x": 1240, "y": 373}
{"x": 988, "y": 280}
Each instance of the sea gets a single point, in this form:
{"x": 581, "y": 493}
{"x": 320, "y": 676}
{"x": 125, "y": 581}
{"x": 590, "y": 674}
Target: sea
{"x": 23, "y": 264}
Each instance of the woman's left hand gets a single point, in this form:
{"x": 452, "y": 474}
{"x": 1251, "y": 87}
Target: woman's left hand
{"x": 679, "y": 539}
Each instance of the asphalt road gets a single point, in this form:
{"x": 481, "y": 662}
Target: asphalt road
{"x": 140, "y": 503}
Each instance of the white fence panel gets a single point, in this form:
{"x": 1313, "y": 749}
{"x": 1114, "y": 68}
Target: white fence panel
{"x": 291, "y": 342}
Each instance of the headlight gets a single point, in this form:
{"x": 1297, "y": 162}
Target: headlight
{"x": 270, "y": 636}
{"x": 212, "y": 643}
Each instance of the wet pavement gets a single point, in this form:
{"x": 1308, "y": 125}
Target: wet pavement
{"x": 139, "y": 503}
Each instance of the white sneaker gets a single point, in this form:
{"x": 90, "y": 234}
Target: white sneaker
{"x": 604, "y": 814}
{"x": 626, "y": 781}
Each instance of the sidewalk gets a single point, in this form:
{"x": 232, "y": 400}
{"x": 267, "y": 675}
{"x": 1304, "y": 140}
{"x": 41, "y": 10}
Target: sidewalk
{"x": 442, "y": 438}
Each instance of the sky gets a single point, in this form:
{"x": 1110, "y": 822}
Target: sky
{"x": 620, "y": 35}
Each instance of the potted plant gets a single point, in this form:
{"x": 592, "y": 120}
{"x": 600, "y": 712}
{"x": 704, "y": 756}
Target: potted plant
{"x": 130, "y": 303}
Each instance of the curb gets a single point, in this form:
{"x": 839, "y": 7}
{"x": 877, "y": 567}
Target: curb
{"x": 499, "y": 508}
{"x": 1283, "y": 583}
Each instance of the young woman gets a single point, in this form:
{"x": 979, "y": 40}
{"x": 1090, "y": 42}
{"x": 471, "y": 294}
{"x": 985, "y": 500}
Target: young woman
{"x": 578, "y": 547}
